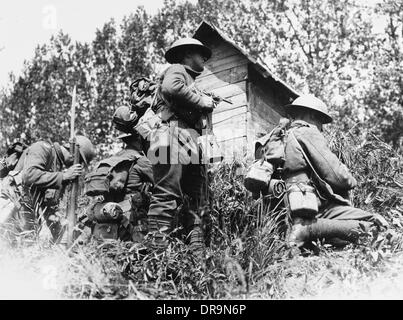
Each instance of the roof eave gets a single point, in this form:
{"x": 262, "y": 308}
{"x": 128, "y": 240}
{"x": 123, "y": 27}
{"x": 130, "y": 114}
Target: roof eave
{"x": 262, "y": 68}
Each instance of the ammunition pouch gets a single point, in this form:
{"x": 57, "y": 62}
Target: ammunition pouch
{"x": 95, "y": 183}
{"x": 98, "y": 182}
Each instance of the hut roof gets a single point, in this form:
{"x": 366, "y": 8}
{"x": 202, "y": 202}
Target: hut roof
{"x": 205, "y": 29}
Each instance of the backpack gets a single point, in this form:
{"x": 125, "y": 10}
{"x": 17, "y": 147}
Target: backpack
{"x": 143, "y": 93}
{"x": 9, "y": 162}
{"x": 144, "y": 103}
{"x": 97, "y": 182}
{"x": 269, "y": 158}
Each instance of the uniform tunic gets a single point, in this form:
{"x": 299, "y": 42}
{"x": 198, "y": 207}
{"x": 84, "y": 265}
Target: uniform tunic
{"x": 42, "y": 168}
{"x": 34, "y": 184}
{"x": 338, "y": 179}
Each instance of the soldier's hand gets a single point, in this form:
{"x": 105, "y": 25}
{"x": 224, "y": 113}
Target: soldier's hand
{"x": 11, "y": 161}
{"x": 73, "y": 172}
{"x": 208, "y": 104}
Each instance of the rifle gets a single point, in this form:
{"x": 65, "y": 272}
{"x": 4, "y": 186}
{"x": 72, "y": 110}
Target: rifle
{"x": 208, "y": 143}
{"x": 206, "y": 120}
{"x": 74, "y": 149}
{"x": 217, "y": 99}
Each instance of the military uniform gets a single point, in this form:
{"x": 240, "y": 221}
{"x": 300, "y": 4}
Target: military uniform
{"x": 10, "y": 199}
{"x": 140, "y": 178}
{"x": 317, "y": 184}
{"x": 133, "y": 200}
{"x": 178, "y": 184}
{"x": 333, "y": 205}
{"x": 34, "y": 186}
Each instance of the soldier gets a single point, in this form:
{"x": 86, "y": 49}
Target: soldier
{"x": 38, "y": 181}
{"x": 8, "y": 163}
{"x": 129, "y": 182}
{"x": 179, "y": 178}
{"x": 317, "y": 182}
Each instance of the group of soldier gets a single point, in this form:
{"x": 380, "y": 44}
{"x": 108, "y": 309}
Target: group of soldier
{"x": 153, "y": 198}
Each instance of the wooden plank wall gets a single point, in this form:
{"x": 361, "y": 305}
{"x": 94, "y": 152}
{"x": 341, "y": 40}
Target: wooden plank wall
{"x": 226, "y": 74}
{"x": 266, "y": 101}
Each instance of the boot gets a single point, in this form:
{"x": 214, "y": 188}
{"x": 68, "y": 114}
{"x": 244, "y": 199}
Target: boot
{"x": 194, "y": 233}
{"x": 159, "y": 228}
{"x": 196, "y": 241}
{"x": 347, "y": 230}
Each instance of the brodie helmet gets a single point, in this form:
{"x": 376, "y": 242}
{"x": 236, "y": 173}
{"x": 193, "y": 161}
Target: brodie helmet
{"x": 124, "y": 119}
{"x": 172, "y": 55}
{"x": 311, "y": 102}
{"x": 87, "y": 150}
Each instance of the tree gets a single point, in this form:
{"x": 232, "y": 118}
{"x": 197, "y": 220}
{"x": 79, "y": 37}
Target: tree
{"x": 326, "y": 48}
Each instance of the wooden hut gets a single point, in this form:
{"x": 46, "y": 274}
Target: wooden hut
{"x": 256, "y": 93}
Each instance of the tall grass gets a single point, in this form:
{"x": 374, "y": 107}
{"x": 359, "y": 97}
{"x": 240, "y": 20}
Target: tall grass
{"x": 247, "y": 255}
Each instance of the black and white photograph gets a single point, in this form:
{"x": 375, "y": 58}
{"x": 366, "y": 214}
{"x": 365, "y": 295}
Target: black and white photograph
{"x": 203, "y": 156}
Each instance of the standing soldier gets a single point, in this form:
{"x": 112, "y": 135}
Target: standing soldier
{"x": 38, "y": 180}
{"x": 179, "y": 181}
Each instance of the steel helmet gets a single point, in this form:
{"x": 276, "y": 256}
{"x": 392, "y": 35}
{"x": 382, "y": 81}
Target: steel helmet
{"x": 311, "y": 102}
{"x": 172, "y": 54}
{"x": 124, "y": 119}
{"x": 87, "y": 149}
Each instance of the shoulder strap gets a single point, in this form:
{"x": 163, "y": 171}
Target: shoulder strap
{"x": 155, "y": 96}
{"x": 263, "y": 140}
{"x": 306, "y": 158}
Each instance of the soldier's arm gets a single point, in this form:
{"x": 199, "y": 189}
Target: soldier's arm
{"x": 325, "y": 162}
{"x": 141, "y": 172}
{"x": 145, "y": 169}
{"x": 35, "y": 173}
{"x": 174, "y": 87}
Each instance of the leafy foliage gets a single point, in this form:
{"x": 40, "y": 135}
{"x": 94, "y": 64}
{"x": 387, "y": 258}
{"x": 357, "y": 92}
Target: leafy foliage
{"x": 328, "y": 48}
{"x": 331, "y": 49}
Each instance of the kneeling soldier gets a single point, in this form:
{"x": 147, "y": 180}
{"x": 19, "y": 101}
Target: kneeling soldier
{"x": 316, "y": 182}
{"x": 120, "y": 210}
{"x": 38, "y": 181}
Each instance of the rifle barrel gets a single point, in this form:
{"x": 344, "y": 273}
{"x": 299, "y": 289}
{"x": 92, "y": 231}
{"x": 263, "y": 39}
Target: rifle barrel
{"x": 72, "y": 204}
{"x": 71, "y": 210}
